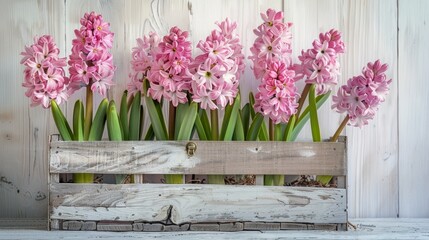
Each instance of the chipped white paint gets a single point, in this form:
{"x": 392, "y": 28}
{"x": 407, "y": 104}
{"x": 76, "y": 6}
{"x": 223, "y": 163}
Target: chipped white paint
{"x": 306, "y": 153}
{"x": 168, "y": 157}
{"x": 368, "y": 229}
{"x": 197, "y": 203}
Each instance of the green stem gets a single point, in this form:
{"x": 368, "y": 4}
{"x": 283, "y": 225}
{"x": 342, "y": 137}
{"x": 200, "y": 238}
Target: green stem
{"x": 215, "y": 179}
{"x": 273, "y": 180}
{"x": 171, "y": 121}
{"x": 172, "y": 178}
{"x": 340, "y": 129}
{"x": 88, "y": 113}
{"x": 214, "y": 124}
{"x": 83, "y": 177}
{"x": 314, "y": 120}
{"x": 302, "y": 99}
{"x": 86, "y": 177}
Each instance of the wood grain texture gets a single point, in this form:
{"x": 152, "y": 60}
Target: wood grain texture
{"x": 369, "y": 30}
{"x": 163, "y": 157}
{"x": 368, "y": 229}
{"x": 196, "y": 203}
{"x": 24, "y": 130}
{"x": 373, "y": 150}
{"x": 413, "y": 109}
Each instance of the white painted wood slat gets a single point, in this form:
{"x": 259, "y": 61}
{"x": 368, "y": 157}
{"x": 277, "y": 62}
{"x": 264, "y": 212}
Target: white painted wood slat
{"x": 164, "y": 157}
{"x": 196, "y": 203}
{"x": 369, "y": 29}
{"x": 413, "y": 109}
{"x": 24, "y": 130}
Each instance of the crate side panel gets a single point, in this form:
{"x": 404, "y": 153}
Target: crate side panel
{"x": 163, "y": 157}
{"x": 193, "y": 203}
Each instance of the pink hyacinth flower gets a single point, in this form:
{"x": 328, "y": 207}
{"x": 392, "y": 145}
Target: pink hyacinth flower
{"x": 277, "y": 94}
{"x": 271, "y": 56}
{"x": 45, "y": 79}
{"x": 362, "y": 95}
{"x": 215, "y": 73}
{"x": 143, "y": 56}
{"x": 320, "y": 65}
{"x": 167, "y": 65}
{"x": 91, "y": 63}
{"x": 273, "y": 43}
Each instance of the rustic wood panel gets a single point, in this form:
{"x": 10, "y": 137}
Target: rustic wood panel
{"x": 196, "y": 203}
{"x": 413, "y": 109}
{"x": 163, "y": 157}
{"x": 24, "y": 130}
{"x": 370, "y": 31}
{"x": 368, "y": 229}
{"x": 373, "y": 150}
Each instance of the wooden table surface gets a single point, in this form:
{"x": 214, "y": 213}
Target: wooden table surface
{"x": 375, "y": 228}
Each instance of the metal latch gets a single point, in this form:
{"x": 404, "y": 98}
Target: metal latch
{"x": 191, "y": 148}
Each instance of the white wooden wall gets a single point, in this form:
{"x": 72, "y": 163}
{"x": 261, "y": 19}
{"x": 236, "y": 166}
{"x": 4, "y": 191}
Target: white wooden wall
{"x": 387, "y": 158}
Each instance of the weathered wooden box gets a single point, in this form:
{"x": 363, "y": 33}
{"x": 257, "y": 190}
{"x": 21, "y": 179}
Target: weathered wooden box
{"x": 165, "y": 207}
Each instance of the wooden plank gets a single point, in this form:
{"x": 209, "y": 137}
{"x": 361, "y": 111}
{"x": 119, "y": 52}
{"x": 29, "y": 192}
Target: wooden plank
{"x": 24, "y": 130}
{"x": 163, "y": 157}
{"x": 196, "y": 203}
{"x": 28, "y": 223}
{"x": 413, "y": 130}
{"x": 373, "y": 150}
{"x": 369, "y": 30}
{"x": 368, "y": 229}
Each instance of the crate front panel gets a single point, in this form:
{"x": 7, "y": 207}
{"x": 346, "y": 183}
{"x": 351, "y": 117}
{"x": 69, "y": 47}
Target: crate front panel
{"x": 196, "y": 203}
{"x": 164, "y": 157}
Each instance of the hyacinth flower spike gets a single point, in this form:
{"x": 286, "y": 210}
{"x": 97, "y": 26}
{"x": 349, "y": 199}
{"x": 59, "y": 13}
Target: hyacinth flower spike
{"x": 45, "y": 80}
{"x": 320, "y": 68}
{"x": 215, "y": 75}
{"x": 161, "y": 64}
{"x": 277, "y": 94}
{"x": 91, "y": 67}
{"x": 361, "y": 97}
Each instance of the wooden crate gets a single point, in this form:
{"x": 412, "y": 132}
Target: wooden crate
{"x": 164, "y": 207}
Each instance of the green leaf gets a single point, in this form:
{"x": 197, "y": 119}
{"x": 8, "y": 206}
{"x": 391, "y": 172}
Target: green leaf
{"x": 252, "y": 104}
{"x": 200, "y": 128}
{"x": 314, "y": 121}
{"x": 150, "y": 135}
{"x": 135, "y": 121}
{"x": 206, "y": 123}
{"x": 97, "y": 126}
{"x": 288, "y": 131}
{"x": 141, "y": 121}
{"x": 263, "y": 133}
{"x": 239, "y": 129}
{"x": 252, "y": 134}
{"x": 156, "y": 118}
{"x": 113, "y": 125}
{"x": 123, "y": 114}
{"x": 230, "y": 119}
{"x": 324, "y": 179}
{"x": 245, "y": 118}
{"x": 78, "y": 118}
{"x": 305, "y": 116}
{"x": 278, "y": 134}
{"x": 268, "y": 180}
{"x": 181, "y": 111}
{"x": 61, "y": 122}
{"x": 188, "y": 122}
